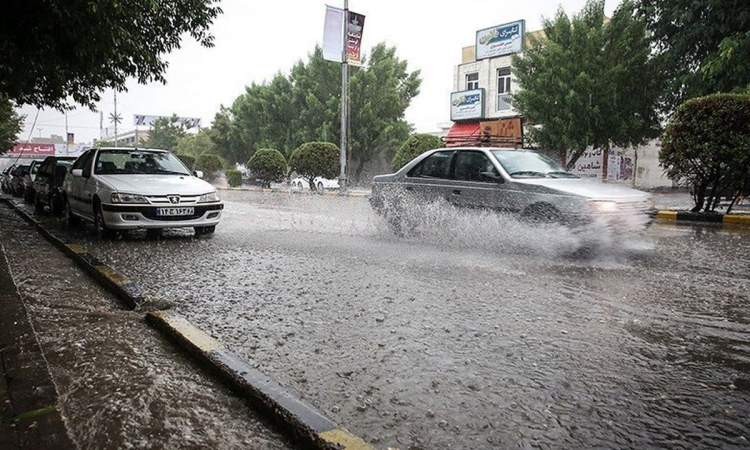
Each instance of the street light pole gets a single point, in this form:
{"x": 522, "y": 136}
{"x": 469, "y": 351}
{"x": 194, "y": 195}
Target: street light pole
{"x": 115, "y": 120}
{"x": 344, "y": 102}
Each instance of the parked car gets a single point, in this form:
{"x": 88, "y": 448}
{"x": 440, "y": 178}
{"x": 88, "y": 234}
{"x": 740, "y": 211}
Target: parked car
{"x": 16, "y": 180}
{"x": 28, "y": 181}
{"x": 5, "y": 178}
{"x": 129, "y": 188}
{"x": 509, "y": 180}
{"x": 48, "y": 185}
{"x": 321, "y": 184}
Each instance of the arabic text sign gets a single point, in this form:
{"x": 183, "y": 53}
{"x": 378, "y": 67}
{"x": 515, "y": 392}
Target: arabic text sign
{"x": 466, "y": 105}
{"x": 500, "y": 40}
{"x": 354, "y": 26}
{"x": 32, "y": 150}
{"x": 148, "y": 121}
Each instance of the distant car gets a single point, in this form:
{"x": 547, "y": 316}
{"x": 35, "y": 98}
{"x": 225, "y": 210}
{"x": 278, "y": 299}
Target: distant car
{"x": 28, "y": 181}
{"x": 16, "y": 180}
{"x": 321, "y": 184}
{"x": 5, "y": 178}
{"x": 508, "y": 180}
{"x": 130, "y": 188}
{"x": 48, "y": 184}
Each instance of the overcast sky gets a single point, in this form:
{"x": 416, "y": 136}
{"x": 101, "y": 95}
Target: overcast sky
{"x": 256, "y": 39}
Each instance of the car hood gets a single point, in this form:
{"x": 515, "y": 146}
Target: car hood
{"x": 594, "y": 190}
{"x": 157, "y": 184}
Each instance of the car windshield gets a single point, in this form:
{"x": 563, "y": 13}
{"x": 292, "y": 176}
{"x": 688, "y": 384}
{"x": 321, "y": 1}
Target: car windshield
{"x": 134, "y": 162}
{"x": 524, "y": 164}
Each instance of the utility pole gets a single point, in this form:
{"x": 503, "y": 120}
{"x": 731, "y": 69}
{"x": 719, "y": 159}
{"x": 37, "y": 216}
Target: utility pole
{"x": 101, "y": 125}
{"x": 67, "y": 146}
{"x": 344, "y": 102}
{"x": 115, "y": 119}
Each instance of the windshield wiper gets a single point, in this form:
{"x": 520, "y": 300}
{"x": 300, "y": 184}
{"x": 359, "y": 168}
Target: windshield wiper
{"x": 170, "y": 172}
{"x": 562, "y": 173}
{"x": 528, "y": 172}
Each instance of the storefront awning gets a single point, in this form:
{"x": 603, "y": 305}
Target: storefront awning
{"x": 463, "y": 133}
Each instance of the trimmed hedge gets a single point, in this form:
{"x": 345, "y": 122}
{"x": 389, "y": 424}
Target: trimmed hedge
{"x": 315, "y": 159}
{"x": 267, "y": 165}
{"x": 234, "y": 177}
{"x": 209, "y": 164}
{"x": 415, "y": 145}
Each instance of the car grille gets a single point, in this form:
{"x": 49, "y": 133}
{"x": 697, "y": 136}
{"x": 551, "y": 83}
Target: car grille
{"x": 163, "y": 200}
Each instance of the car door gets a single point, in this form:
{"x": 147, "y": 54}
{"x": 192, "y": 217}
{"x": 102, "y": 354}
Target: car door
{"x": 88, "y": 185}
{"x": 428, "y": 180}
{"x": 476, "y": 182}
{"x": 74, "y": 185}
{"x": 43, "y": 177}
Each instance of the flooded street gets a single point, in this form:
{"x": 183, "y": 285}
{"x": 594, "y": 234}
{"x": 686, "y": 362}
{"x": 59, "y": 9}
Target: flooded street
{"x": 476, "y": 332}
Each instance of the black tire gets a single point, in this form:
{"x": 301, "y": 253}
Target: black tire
{"x": 100, "y": 226}
{"x": 542, "y": 213}
{"x": 202, "y": 231}
{"x": 71, "y": 219}
{"x": 321, "y": 188}
{"x": 56, "y": 204}
{"x": 38, "y": 205}
{"x": 153, "y": 233}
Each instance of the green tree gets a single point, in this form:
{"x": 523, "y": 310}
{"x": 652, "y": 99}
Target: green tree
{"x": 210, "y": 164}
{"x": 195, "y": 144}
{"x": 414, "y": 146}
{"x": 589, "y": 82}
{"x": 268, "y": 165}
{"x": 10, "y": 124}
{"x": 703, "y": 46}
{"x": 165, "y": 133}
{"x": 234, "y": 177}
{"x": 223, "y": 133}
{"x": 56, "y": 50}
{"x": 188, "y": 160}
{"x": 707, "y": 144}
{"x": 315, "y": 159}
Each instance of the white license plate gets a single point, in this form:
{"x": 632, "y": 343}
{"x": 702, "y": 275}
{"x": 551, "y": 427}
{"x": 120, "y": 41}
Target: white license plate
{"x": 175, "y": 211}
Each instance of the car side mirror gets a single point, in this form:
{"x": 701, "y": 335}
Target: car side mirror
{"x": 493, "y": 176}
{"x": 77, "y": 172}
{"x": 198, "y": 173}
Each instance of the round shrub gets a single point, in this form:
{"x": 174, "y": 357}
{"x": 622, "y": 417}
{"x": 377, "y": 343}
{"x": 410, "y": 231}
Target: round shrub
{"x": 267, "y": 165}
{"x": 234, "y": 177}
{"x": 209, "y": 164}
{"x": 707, "y": 145}
{"x": 415, "y": 145}
{"x": 315, "y": 159}
{"x": 188, "y": 160}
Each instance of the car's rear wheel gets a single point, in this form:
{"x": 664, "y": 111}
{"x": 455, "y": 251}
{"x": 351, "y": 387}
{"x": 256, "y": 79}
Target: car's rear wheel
{"x": 321, "y": 188}
{"x": 38, "y": 205}
{"x": 71, "y": 219}
{"x": 202, "y": 231}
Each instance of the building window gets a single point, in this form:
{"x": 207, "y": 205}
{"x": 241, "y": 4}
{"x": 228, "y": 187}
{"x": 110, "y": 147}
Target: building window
{"x": 472, "y": 81}
{"x": 503, "y": 89}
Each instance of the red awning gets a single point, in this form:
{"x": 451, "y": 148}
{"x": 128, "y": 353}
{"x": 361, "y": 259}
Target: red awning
{"x": 463, "y": 133}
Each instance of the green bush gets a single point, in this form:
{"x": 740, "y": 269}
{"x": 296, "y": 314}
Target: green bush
{"x": 234, "y": 177}
{"x": 415, "y": 145}
{"x": 209, "y": 164}
{"x": 268, "y": 165}
{"x": 188, "y": 160}
{"x": 707, "y": 145}
{"x": 315, "y": 159}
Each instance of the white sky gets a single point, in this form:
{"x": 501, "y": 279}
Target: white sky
{"x": 256, "y": 39}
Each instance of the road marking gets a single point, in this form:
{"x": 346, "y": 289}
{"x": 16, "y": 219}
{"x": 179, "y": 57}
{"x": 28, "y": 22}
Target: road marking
{"x": 666, "y": 215}
{"x": 737, "y": 219}
{"x": 76, "y": 248}
{"x": 188, "y": 331}
{"x": 344, "y": 439}
{"x": 111, "y": 275}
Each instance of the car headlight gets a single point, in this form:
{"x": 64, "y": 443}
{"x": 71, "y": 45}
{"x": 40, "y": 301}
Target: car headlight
{"x": 208, "y": 198}
{"x": 603, "y": 206}
{"x": 121, "y": 197}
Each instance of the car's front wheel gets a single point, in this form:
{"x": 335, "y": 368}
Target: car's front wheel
{"x": 100, "y": 225}
{"x": 202, "y": 231}
{"x": 71, "y": 219}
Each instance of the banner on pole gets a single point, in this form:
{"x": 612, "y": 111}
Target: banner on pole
{"x": 354, "y": 24}
{"x": 333, "y": 34}
{"x": 142, "y": 120}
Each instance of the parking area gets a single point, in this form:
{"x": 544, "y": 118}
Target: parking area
{"x": 478, "y": 331}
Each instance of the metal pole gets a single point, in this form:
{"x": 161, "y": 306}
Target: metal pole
{"x": 101, "y": 125}
{"x": 344, "y": 102}
{"x": 67, "y": 145}
{"x": 115, "y": 120}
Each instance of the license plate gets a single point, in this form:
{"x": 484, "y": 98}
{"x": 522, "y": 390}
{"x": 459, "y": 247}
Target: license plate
{"x": 175, "y": 211}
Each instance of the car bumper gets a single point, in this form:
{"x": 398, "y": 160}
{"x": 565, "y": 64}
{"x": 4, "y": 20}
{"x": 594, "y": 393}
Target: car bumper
{"x": 127, "y": 217}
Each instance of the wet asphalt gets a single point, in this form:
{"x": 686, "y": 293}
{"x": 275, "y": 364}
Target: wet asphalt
{"x": 476, "y": 331}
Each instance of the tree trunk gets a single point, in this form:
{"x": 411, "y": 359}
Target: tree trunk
{"x": 358, "y": 171}
{"x": 699, "y": 197}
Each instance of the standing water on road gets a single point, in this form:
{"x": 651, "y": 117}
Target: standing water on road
{"x": 475, "y": 332}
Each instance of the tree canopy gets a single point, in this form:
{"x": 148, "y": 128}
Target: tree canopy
{"x": 165, "y": 133}
{"x": 304, "y": 106}
{"x": 267, "y": 165}
{"x": 703, "y": 47}
{"x": 54, "y": 51}
{"x": 10, "y": 124}
{"x": 589, "y": 82}
{"x": 315, "y": 159}
{"x": 414, "y": 146}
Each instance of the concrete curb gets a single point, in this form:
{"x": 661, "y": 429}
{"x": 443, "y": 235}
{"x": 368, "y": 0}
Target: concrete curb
{"x": 306, "y": 423}
{"x": 691, "y": 217}
{"x": 124, "y": 289}
{"x": 334, "y": 193}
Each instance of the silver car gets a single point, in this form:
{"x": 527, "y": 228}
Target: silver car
{"x": 508, "y": 180}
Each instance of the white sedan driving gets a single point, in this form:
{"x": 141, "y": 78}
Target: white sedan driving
{"x": 129, "y": 188}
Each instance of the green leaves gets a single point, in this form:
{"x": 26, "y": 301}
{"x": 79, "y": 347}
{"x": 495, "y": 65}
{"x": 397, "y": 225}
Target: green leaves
{"x": 165, "y": 133}
{"x": 589, "y": 82}
{"x": 268, "y": 165}
{"x": 315, "y": 159}
{"x": 414, "y": 146}
{"x": 53, "y": 52}
{"x": 10, "y": 124}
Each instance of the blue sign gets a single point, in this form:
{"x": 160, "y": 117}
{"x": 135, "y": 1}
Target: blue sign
{"x": 467, "y": 105}
{"x": 500, "y": 40}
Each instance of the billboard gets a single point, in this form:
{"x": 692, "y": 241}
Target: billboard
{"x": 354, "y": 25}
{"x": 500, "y": 40}
{"x": 32, "y": 150}
{"x": 148, "y": 121}
{"x": 467, "y": 105}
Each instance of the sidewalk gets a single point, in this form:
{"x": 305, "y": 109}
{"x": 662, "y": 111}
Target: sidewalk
{"x": 29, "y": 415}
